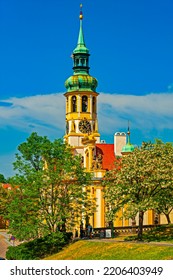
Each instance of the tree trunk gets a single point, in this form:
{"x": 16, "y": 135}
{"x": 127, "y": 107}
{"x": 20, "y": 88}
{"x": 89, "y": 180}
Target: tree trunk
{"x": 63, "y": 226}
{"x": 168, "y": 218}
{"x": 141, "y": 217}
{"x": 133, "y": 225}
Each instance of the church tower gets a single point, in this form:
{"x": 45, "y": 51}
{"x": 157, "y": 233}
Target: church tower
{"x": 81, "y": 97}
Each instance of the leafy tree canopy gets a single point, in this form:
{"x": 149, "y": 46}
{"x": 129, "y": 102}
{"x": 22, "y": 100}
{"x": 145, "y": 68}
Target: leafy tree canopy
{"x": 2, "y": 179}
{"x": 49, "y": 189}
{"x": 140, "y": 181}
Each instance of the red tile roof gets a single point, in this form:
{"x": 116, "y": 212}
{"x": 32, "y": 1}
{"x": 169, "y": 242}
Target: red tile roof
{"x": 107, "y": 151}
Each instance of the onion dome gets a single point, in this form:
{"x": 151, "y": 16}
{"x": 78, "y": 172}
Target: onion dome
{"x": 81, "y": 80}
{"x": 128, "y": 148}
{"x": 81, "y": 83}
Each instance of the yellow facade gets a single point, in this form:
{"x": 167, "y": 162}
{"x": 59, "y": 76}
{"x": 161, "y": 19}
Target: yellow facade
{"x": 82, "y": 132}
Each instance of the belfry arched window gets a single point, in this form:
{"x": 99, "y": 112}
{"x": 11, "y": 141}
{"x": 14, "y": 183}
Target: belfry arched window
{"x": 83, "y": 62}
{"x": 74, "y": 105}
{"x": 94, "y": 104}
{"x": 67, "y": 104}
{"x": 77, "y": 62}
{"x": 84, "y": 103}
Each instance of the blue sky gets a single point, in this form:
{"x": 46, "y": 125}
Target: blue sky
{"x": 130, "y": 43}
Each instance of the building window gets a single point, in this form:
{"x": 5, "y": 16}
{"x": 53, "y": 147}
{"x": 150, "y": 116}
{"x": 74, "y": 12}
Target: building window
{"x": 67, "y": 127}
{"x": 77, "y": 62}
{"x": 67, "y": 105}
{"x": 84, "y": 103}
{"x": 83, "y": 62}
{"x": 94, "y": 105}
{"x": 74, "y": 106}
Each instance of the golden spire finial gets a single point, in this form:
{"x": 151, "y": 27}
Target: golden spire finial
{"x": 81, "y": 14}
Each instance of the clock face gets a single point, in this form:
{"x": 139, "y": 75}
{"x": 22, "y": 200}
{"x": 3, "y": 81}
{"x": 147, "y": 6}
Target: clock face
{"x": 84, "y": 126}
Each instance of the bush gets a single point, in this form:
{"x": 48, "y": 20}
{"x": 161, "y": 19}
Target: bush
{"x": 159, "y": 233}
{"x": 40, "y": 247}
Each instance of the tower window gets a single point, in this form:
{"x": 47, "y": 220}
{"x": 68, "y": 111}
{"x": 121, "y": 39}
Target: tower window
{"x": 82, "y": 62}
{"x": 67, "y": 104}
{"x": 74, "y": 107}
{"x": 94, "y": 104}
{"x": 67, "y": 127}
{"x": 84, "y": 103}
{"x": 77, "y": 62}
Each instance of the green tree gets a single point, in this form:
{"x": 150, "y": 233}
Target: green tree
{"x": 165, "y": 205}
{"x": 139, "y": 180}
{"x": 4, "y": 196}
{"x": 5, "y": 199}
{"x": 2, "y": 179}
{"x": 165, "y": 200}
{"x": 49, "y": 190}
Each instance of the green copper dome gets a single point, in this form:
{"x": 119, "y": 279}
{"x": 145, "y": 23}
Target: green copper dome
{"x": 128, "y": 148}
{"x": 81, "y": 82}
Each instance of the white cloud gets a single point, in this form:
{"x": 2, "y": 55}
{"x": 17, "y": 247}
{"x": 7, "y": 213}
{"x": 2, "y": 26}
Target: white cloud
{"x": 46, "y": 113}
{"x": 42, "y": 113}
{"x": 145, "y": 112}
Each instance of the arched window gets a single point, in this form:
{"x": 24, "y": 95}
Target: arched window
{"x": 77, "y": 62}
{"x": 83, "y": 62}
{"x": 74, "y": 106}
{"x": 67, "y": 104}
{"x": 84, "y": 103}
{"x": 87, "y": 159}
{"x": 67, "y": 127}
{"x": 94, "y": 104}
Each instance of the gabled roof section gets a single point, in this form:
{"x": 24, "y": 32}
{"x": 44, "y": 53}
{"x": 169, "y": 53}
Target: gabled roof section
{"x": 107, "y": 152}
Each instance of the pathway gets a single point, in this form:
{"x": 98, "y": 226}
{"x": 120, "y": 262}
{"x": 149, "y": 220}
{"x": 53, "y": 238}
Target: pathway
{"x": 4, "y": 243}
{"x": 114, "y": 240}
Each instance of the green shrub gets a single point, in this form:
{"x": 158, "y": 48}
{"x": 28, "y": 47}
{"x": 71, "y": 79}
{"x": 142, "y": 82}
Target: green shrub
{"x": 40, "y": 247}
{"x": 159, "y": 233}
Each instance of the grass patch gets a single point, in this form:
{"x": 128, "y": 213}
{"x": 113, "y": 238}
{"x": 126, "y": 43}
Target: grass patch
{"x": 116, "y": 249}
{"x": 93, "y": 250}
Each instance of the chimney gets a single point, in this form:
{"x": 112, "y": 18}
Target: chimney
{"x": 119, "y": 142}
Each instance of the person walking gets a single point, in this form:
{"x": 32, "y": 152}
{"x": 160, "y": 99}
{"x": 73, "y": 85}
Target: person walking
{"x": 89, "y": 229}
{"x": 12, "y": 238}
